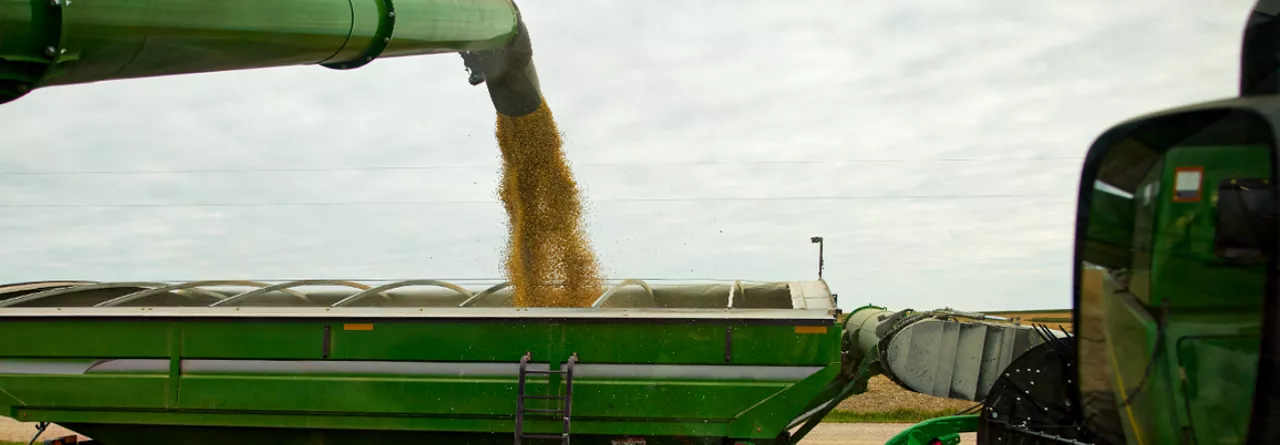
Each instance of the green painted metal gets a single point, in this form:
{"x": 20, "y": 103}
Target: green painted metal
{"x": 1185, "y": 302}
{"x": 144, "y": 372}
{"x": 192, "y": 435}
{"x": 496, "y": 341}
{"x": 939, "y": 431}
{"x": 860, "y": 331}
{"x": 1180, "y": 318}
{"x": 1178, "y": 338}
{"x": 61, "y": 42}
{"x": 869, "y": 366}
{"x": 1110, "y": 231}
{"x": 109, "y": 340}
{"x": 1184, "y": 268}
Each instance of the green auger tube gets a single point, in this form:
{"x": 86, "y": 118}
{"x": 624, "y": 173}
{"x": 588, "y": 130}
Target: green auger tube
{"x": 63, "y": 42}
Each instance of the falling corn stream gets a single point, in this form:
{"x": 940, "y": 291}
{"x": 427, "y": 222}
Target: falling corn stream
{"x": 549, "y": 259}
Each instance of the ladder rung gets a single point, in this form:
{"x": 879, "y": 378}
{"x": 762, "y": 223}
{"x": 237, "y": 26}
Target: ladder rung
{"x": 543, "y": 436}
{"x": 523, "y": 413}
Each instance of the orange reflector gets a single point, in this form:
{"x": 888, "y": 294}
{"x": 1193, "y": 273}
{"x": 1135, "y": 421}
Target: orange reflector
{"x": 811, "y": 329}
{"x": 1187, "y": 184}
{"x": 357, "y": 327}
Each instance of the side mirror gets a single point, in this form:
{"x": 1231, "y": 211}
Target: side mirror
{"x": 1175, "y": 263}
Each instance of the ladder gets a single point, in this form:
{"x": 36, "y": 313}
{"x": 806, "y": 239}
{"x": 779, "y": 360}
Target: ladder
{"x": 565, "y": 400}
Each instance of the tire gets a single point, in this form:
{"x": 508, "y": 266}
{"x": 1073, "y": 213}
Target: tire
{"x": 1102, "y": 417}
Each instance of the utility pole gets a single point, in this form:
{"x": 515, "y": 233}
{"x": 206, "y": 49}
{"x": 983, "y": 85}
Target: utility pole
{"x": 818, "y": 240}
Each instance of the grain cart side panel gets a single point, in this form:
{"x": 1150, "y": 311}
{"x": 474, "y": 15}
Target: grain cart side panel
{"x": 674, "y": 365}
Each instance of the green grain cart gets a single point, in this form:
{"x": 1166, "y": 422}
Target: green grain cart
{"x": 423, "y": 361}
{"x": 428, "y": 361}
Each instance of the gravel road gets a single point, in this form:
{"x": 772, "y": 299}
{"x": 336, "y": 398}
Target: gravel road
{"x": 863, "y": 434}
{"x": 824, "y": 434}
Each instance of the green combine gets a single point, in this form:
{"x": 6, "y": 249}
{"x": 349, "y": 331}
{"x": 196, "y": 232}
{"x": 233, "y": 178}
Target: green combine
{"x": 1177, "y": 310}
{"x": 1177, "y": 217}
{"x": 1176, "y": 332}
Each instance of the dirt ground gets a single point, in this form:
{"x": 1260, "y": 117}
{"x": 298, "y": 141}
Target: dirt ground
{"x": 13, "y": 431}
{"x": 863, "y": 434}
{"x": 883, "y": 395}
{"x": 824, "y": 434}
{"x": 1054, "y": 319}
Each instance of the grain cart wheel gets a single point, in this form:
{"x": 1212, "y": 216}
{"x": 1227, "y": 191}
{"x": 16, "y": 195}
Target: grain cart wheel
{"x": 1102, "y": 417}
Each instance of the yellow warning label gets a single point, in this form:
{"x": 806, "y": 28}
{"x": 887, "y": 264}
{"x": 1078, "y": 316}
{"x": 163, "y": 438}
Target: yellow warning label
{"x": 357, "y": 327}
{"x": 811, "y": 329}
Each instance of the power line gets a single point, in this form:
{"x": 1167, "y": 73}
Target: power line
{"x": 603, "y": 200}
{"x": 490, "y": 166}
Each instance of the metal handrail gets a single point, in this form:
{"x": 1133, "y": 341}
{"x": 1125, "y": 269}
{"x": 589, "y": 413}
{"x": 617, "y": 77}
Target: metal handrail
{"x": 737, "y": 285}
{"x": 257, "y": 292}
{"x": 485, "y": 293}
{"x": 225, "y": 297}
{"x": 568, "y": 395}
{"x": 524, "y": 367}
{"x": 189, "y": 285}
{"x": 74, "y": 289}
{"x": 400, "y": 284}
{"x": 41, "y": 285}
{"x": 609, "y": 293}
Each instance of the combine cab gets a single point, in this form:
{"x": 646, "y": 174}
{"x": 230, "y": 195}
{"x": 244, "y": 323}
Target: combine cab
{"x": 1176, "y": 305}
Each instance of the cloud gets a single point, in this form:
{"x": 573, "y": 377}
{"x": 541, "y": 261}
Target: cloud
{"x": 968, "y": 99}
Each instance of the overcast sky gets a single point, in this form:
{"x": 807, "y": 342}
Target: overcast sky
{"x": 711, "y": 137}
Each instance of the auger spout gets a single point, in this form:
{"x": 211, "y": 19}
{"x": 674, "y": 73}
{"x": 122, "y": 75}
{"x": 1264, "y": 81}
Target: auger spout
{"x": 944, "y": 352}
{"x": 509, "y": 74}
{"x": 63, "y": 42}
